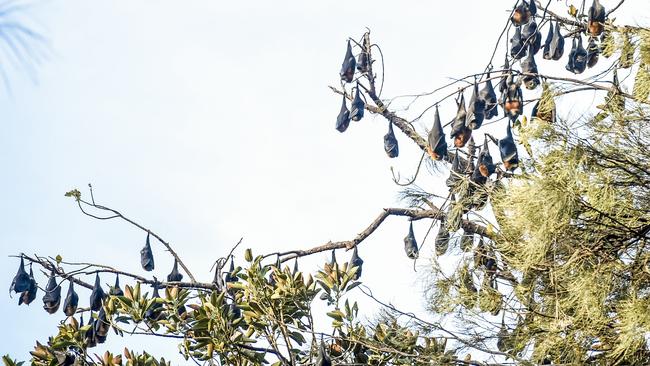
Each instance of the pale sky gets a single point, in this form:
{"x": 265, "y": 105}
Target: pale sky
{"x": 209, "y": 121}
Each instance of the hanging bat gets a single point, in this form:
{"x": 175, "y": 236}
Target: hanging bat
{"x": 26, "y": 297}
{"x": 155, "y": 311}
{"x": 390, "y": 142}
{"x": 71, "y": 301}
{"x": 437, "y": 148}
{"x": 485, "y": 163}
{"x": 455, "y": 172}
{"x": 531, "y": 37}
{"x": 116, "y": 290}
{"x": 521, "y": 14}
{"x": 512, "y": 99}
{"x": 230, "y": 275}
{"x": 547, "y": 54}
{"x": 577, "y": 57}
{"x": 475, "y": 110}
{"x": 356, "y": 261}
{"x": 323, "y": 359}
{"x": 508, "y": 151}
{"x": 489, "y": 97}
{"x": 343, "y": 119}
{"x": 596, "y": 20}
{"x": 52, "y": 297}
{"x": 442, "y": 240}
{"x": 503, "y": 82}
{"x": 97, "y": 295}
{"x": 90, "y": 338}
{"x": 517, "y": 45}
{"x": 358, "y": 106}
{"x": 592, "y": 52}
{"x": 410, "y": 245}
{"x": 174, "y": 276}
{"x": 146, "y": 256}
{"x": 459, "y": 131}
{"x": 20, "y": 282}
{"x": 364, "y": 58}
{"x": 102, "y": 326}
{"x": 349, "y": 63}
{"x": 557, "y": 43}
{"x": 529, "y": 67}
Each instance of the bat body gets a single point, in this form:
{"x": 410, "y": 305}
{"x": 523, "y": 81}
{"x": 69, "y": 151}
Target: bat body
{"x": 577, "y": 62}
{"x": 475, "y": 110}
{"x": 358, "y": 106}
{"x": 596, "y": 20}
{"x": 343, "y": 119}
{"x": 26, "y": 297}
{"x": 593, "y": 51}
{"x": 410, "y": 244}
{"x": 52, "y": 297}
{"x": 116, "y": 290}
{"x": 348, "y": 65}
{"x": 437, "y": 148}
{"x": 21, "y": 281}
{"x": 146, "y": 256}
{"x": 71, "y": 301}
{"x": 528, "y": 66}
{"x": 356, "y": 261}
{"x": 390, "y": 142}
{"x": 175, "y": 276}
{"x": 508, "y": 151}
{"x": 489, "y": 97}
{"x": 517, "y": 45}
{"x": 97, "y": 295}
{"x": 459, "y": 131}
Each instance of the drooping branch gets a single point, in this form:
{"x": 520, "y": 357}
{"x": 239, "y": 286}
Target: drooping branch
{"x": 414, "y": 214}
{"x": 116, "y": 214}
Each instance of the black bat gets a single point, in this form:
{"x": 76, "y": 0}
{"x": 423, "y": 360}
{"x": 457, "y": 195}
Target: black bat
{"x": 508, "y": 151}
{"x": 596, "y": 21}
{"x": 577, "y": 57}
{"x": 556, "y": 46}
{"x": 102, "y": 326}
{"x": 390, "y": 142}
{"x": 503, "y": 82}
{"x": 26, "y": 297}
{"x": 89, "y": 337}
{"x": 174, "y": 276}
{"x": 521, "y": 14}
{"x": 531, "y": 37}
{"x": 230, "y": 275}
{"x": 356, "y": 261}
{"x": 488, "y": 95}
{"x": 475, "y": 110}
{"x": 529, "y": 67}
{"x": 442, "y": 240}
{"x": 485, "y": 164}
{"x": 592, "y": 52}
{"x": 512, "y": 99}
{"x": 343, "y": 119}
{"x": 349, "y": 63}
{"x": 97, "y": 295}
{"x": 437, "y": 148}
{"x": 116, "y": 290}
{"x": 459, "y": 131}
{"x": 323, "y": 359}
{"x": 155, "y": 311}
{"x": 517, "y": 45}
{"x": 52, "y": 297}
{"x": 71, "y": 301}
{"x": 410, "y": 245}
{"x": 455, "y": 172}
{"x": 358, "y": 106}
{"x": 363, "y": 61}
{"x": 146, "y": 256}
{"x": 20, "y": 282}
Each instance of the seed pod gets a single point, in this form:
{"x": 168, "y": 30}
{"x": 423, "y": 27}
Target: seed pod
{"x": 410, "y": 245}
{"x": 357, "y": 108}
{"x": 349, "y": 63}
{"x": 517, "y": 46}
{"x": 577, "y": 62}
{"x": 20, "y": 282}
{"x": 356, "y": 261}
{"x": 343, "y": 119}
{"x": 116, "y": 290}
{"x": 146, "y": 256}
{"x": 26, "y": 297}
{"x": 437, "y": 148}
{"x": 97, "y": 295}
{"x": 596, "y": 20}
{"x": 489, "y": 97}
{"x": 529, "y": 67}
{"x": 508, "y": 151}
{"x": 323, "y": 359}
{"x": 52, "y": 297}
{"x": 71, "y": 301}
{"x": 390, "y": 142}
{"x": 442, "y": 240}
{"x": 476, "y": 110}
{"x": 174, "y": 276}
{"x": 459, "y": 131}
{"x": 592, "y": 53}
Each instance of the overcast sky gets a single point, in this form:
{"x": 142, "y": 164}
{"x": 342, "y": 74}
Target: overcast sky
{"x": 208, "y": 121}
